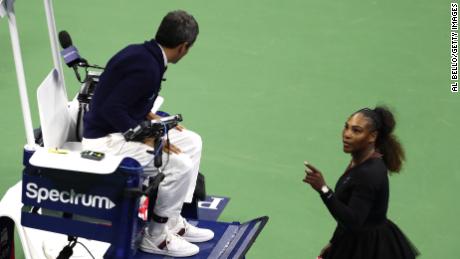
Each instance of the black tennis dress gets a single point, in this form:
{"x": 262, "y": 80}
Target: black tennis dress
{"x": 359, "y": 205}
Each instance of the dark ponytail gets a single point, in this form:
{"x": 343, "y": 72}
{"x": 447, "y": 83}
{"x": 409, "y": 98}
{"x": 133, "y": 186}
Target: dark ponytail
{"x": 387, "y": 143}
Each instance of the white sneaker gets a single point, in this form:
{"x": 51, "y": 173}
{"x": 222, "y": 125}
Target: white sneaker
{"x": 168, "y": 244}
{"x": 190, "y": 232}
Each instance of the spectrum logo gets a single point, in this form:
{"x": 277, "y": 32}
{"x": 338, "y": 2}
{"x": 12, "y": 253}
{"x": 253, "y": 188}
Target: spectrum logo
{"x": 67, "y": 197}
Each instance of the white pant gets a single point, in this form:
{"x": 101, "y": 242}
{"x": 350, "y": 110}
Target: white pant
{"x": 180, "y": 170}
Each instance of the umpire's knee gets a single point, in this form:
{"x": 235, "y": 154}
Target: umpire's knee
{"x": 195, "y": 139}
{"x": 182, "y": 164}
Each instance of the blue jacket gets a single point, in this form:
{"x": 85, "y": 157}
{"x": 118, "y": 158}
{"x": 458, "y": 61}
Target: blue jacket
{"x": 126, "y": 90}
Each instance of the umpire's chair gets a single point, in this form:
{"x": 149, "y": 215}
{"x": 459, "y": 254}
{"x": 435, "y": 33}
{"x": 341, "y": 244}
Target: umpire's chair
{"x": 66, "y": 196}
{"x": 65, "y": 193}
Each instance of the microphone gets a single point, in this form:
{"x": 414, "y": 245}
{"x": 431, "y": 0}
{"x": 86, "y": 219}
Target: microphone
{"x": 69, "y": 52}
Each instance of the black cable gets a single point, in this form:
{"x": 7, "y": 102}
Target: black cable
{"x": 86, "y": 249}
{"x": 67, "y": 251}
{"x": 86, "y": 75}
{"x": 168, "y": 153}
{"x": 77, "y": 127}
{"x": 77, "y": 74}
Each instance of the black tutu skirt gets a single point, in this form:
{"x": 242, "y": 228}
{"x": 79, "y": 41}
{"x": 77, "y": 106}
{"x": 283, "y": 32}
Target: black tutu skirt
{"x": 382, "y": 242}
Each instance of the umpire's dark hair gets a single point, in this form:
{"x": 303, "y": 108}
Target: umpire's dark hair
{"x": 176, "y": 28}
{"x": 387, "y": 143}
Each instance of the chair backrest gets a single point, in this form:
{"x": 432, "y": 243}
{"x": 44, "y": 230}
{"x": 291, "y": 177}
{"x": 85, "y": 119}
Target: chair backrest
{"x": 53, "y": 112}
{"x": 60, "y": 120}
